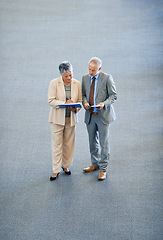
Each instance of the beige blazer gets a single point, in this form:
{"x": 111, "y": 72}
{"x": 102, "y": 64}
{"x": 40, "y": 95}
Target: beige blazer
{"x": 57, "y": 95}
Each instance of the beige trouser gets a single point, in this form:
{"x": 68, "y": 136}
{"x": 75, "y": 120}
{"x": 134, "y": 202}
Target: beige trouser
{"x": 63, "y": 144}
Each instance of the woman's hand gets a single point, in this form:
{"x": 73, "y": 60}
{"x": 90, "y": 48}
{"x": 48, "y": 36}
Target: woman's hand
{"x": 73, "y": 109}
{"x": 68, "y": 101}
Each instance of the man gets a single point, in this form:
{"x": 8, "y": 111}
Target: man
{"x": 99, "y": 89}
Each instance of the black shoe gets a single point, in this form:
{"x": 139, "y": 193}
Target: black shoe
{"x": 53, "y": 178}
{"x": 68, "y": 173}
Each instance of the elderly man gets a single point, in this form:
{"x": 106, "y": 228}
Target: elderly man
{"x": 98, "y": 89}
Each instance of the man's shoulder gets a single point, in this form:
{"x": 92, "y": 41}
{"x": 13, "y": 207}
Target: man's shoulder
{"x": 105, "y": 75}
{"x": 86, "y": 76}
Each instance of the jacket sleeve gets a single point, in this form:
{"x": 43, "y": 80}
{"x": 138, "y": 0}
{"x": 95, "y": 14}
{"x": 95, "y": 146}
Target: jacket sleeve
{"x": 52, "y": 95}
{"x": 112, "y": 93}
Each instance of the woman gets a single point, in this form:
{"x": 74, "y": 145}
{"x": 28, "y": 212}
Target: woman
{"x": 63, "y": 90}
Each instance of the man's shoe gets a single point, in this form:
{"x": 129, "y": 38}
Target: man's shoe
{"x": 91, "y": 168}
{"x": 102, "y": 176}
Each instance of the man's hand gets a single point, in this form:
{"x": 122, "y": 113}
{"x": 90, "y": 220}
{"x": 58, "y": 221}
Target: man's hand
{"x": 101, "y": 106}
{"x": 87, "y": 106}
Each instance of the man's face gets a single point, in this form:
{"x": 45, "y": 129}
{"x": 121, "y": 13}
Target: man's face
{"x": 93, "y": 69}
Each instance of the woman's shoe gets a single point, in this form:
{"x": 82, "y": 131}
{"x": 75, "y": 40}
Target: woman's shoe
{"x": 67, "y": 172}
{"x": 53, "y": 178}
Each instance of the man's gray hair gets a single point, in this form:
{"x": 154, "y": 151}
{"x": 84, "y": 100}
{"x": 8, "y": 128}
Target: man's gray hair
{"x": 65, "y": 67}
{"x": 95, "y": 60}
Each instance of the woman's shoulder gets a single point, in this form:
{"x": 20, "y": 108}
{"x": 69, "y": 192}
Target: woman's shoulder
{"x": 55, "y": 80}
{"x": 75, "y": 81}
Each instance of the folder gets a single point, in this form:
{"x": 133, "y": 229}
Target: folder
{"x": 77, "y": 105}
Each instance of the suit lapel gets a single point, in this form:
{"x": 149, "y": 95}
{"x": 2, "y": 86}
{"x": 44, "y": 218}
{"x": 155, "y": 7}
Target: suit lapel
{"x": 61, "y": 87}
{"x": 98, "y": 84}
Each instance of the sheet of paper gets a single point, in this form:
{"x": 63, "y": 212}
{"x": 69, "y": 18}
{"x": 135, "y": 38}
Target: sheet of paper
{"x": 96, "y": 106}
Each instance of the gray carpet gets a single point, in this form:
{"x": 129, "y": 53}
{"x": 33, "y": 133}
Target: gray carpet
{"x": 36, "y": 36}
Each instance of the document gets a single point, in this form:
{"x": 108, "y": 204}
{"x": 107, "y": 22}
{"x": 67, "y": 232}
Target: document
{"x": 96, "y": 106}
{"x": 77, "y": 105}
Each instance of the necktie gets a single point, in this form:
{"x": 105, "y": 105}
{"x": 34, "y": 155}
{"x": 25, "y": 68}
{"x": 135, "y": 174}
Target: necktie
{"x": 91, "y": 94}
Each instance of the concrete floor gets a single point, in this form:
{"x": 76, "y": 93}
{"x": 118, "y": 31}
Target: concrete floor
{"x": 36, "y": 36}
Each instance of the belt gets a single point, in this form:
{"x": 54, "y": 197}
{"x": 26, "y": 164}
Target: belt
{"x": 95, "y": 112}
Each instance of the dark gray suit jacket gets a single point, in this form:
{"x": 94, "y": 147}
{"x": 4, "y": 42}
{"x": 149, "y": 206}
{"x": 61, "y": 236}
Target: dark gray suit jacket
{"x": 105, "y": 92}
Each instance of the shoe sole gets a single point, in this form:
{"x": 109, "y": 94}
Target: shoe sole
{"x": 101, "y": 179}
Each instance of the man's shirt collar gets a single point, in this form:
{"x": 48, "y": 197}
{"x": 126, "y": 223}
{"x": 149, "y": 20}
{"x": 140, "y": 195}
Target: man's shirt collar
{"x": 96, "y": 76}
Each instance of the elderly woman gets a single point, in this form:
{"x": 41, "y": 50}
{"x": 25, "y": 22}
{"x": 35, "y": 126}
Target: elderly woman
{"x": 63, "y": 90}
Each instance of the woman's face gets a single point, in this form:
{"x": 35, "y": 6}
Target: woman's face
{"x": 67, "y": 77}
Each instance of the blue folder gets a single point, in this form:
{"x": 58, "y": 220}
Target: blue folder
{"x": 77, "y": 105}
